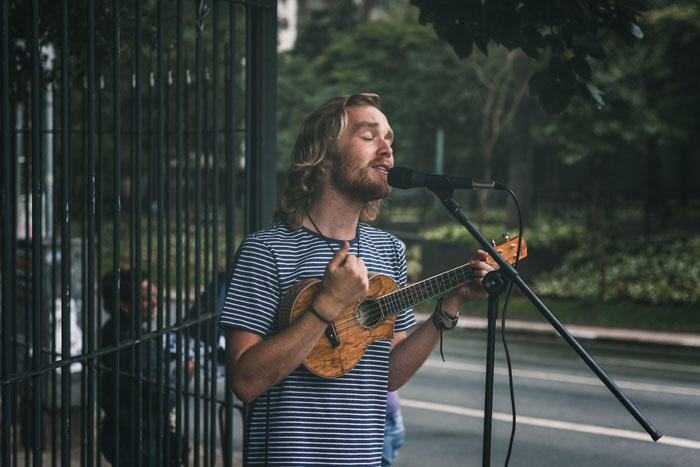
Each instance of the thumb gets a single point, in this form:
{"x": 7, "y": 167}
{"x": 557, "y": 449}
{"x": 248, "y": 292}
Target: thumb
{"x": 340, "y": 256}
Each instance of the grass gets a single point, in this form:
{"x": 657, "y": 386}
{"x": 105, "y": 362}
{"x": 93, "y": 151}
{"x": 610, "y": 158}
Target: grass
{"x": 624, "y": 314}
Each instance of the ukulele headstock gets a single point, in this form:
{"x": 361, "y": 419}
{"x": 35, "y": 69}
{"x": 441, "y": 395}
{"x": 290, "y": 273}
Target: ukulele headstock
{"x": 508, "y": 250}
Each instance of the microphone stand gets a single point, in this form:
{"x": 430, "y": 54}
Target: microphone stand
{"x": 494, "y": 284}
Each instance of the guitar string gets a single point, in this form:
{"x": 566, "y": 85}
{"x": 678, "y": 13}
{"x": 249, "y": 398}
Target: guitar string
{"x": 396, "y": 300}
{"x": 400, "y": 299}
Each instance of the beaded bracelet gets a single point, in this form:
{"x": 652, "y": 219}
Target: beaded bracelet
{"x": 439, "y": 318}
{"x": 318, "y": 315}
{"x": 446, "y": 317}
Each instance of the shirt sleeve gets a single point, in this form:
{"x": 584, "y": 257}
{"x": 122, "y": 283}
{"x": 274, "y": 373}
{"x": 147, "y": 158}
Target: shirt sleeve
{"x": 253, "y": 295}
{"x": 405, "y": 319}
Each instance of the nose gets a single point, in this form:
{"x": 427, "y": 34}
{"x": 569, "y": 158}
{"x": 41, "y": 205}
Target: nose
{"x": 385, "y": 149}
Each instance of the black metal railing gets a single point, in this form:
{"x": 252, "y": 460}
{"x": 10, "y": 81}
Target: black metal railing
{"x": 137, "y": 144}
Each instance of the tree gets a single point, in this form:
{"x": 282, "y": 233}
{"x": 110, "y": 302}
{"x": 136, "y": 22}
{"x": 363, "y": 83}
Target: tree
{"x": 419, "y": 78}
{"x": 568, "y": 33}
{"x": 650, "y": 118}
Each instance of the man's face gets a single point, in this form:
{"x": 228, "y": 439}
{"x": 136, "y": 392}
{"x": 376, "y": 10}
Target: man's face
{"x": 360, "y": 166}
{"x": 148, "y": 301}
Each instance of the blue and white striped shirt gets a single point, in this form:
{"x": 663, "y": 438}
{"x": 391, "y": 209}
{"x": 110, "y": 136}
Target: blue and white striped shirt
{"x": 307, "y": 419}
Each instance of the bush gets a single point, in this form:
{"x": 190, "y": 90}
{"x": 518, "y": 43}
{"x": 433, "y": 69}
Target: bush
{"x": 662, "y": 270}
{"x": 546, "y": 233}
{"x": 659, "y": 270}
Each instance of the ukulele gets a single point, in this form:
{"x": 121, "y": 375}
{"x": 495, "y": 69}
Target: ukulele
{"x": 371, "y": 317}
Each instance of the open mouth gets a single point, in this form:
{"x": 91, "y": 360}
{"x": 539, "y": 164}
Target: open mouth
{"x": 382, "y": 168}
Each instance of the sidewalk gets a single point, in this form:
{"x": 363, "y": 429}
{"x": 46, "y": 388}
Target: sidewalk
{"x": 683, "y": 339}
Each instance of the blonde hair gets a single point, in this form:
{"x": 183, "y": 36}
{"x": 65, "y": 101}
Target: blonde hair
{"x": 315, "y": 144}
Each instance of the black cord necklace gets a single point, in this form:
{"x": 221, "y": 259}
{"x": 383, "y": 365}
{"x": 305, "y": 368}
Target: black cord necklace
{"x": 357, "y": 234}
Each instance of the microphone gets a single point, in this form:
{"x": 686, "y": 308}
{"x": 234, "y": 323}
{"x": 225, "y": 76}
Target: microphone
{"x": 405, "y": 178}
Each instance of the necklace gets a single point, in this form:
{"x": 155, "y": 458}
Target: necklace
{"x": 357, "y": 234}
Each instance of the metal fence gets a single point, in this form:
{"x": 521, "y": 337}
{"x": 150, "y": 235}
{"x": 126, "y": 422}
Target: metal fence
{"x": 137, "y": 142}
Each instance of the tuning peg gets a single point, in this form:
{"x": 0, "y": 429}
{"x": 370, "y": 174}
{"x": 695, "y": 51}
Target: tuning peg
{"x": 506, "y": 236}
{"x": 493, "y": 242}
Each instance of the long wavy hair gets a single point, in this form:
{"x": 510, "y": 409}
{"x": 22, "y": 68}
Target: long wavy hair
{"x": 312, "y": 155}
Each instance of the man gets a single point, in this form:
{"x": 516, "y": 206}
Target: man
{"x": 337, "y": 181}
{"x": 146, "y": 438}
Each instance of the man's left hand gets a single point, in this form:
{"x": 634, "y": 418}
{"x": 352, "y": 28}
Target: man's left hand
{"x": 473, "y": 289}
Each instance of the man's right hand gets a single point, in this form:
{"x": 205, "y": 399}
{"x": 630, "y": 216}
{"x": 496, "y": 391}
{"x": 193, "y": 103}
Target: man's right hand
{"x": 344, "y": 282}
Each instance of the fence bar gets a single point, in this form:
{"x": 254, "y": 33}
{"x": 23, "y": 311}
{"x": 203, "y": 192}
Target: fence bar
{"x": 9, "y": 232}
{"x": 36, "y": 232}
{"x": 160, "y": 151}
{"x": 204, "y": 233}
{"x": 90, "y": 250}
{"x": 179, "y": 158}
{"x": 199, "y": 78}
{"x": 261, "y": 71}
{"x": 213, "y": 297}
{"x": 65, "y": 240}
{"x": 116, "y": 219}
{"x": 230, "y": 206}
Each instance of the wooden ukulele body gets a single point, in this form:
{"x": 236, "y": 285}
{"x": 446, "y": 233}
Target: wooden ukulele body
{"x": 353, "y": 330}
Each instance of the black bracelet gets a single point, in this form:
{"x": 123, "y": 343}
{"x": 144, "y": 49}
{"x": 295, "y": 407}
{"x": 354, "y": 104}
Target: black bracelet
{"x": 318, "y": 315}
{"x": 446, "y": 317}
{"x": 438, "y": 316}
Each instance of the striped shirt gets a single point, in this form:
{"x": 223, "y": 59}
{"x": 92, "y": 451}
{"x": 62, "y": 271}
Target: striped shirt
{"x": 307, "y": 419}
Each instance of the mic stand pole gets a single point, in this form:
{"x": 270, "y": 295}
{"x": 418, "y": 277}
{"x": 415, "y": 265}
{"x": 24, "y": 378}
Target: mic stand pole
{"x": 444, "y": 191}
{"x": 494, "y": 284}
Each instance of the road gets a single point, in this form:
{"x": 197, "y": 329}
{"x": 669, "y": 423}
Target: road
{"x": 566, "y": 416}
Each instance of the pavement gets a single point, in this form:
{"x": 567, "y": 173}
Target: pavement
{"x": 683, "y": 339}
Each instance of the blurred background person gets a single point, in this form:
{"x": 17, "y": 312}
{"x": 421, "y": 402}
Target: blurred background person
{"x": 125, "y": 422}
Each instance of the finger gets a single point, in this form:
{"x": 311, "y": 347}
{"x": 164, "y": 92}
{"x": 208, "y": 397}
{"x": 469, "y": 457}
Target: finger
{"x": 480, "y": 255}
{"x": 355, "y": 263}
{"x": 483, "y": 266}
{"x": 339, "y": 257}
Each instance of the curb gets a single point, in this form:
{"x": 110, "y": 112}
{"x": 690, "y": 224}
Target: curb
{"x": 682, "y": 339}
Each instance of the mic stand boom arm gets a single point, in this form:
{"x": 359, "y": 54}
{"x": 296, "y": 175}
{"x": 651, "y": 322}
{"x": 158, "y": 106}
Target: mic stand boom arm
{"x": 511, "y": 274}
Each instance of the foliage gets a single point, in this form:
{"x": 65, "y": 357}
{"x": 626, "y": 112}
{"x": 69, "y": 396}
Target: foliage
{"x": 421, "y": 84}
{"x": 649, "y": 125}
{"x": 649, "y": 95}
{"x": 661, "y": 270}
{"x": 544, "y": 233}
{"x": 615, "y": 269}
{"x": 568, "y": 33}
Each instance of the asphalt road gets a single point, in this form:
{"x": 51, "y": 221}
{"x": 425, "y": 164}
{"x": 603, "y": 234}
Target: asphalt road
{"x": 566, "y": 416}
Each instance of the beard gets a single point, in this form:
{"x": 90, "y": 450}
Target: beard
{"x": 357, "y": 182}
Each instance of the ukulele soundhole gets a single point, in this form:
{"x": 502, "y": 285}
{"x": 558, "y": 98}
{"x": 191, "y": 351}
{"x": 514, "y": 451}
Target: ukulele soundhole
{"x": 368, "y": 314}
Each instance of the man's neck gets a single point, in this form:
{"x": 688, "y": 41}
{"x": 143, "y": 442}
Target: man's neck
{"x": 335, "y": 217}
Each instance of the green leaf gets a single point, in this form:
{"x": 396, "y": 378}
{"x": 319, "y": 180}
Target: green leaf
{"x": 635, "y": 30}
{"x": 556, "y": 100}
{"x": 531, "y": 40}
{"x": 539, "y": 81}
{"x": 482, "y": 44}
{"x": 461, "y": 40}
{"x": 596, "y": 94}
{"x": 581, "y": 68}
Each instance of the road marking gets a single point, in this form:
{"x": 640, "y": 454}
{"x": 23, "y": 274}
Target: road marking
{"x": 546, "y": 376}
{"x": 665, "y": 366}
{"x": 553, "y": 424}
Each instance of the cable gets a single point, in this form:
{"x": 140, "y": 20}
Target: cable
{"x": 503, "y": 327}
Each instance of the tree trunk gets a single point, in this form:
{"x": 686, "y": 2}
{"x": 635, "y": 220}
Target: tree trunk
{"x": 520, "y": 177}
{"x": 502, "y": 102}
